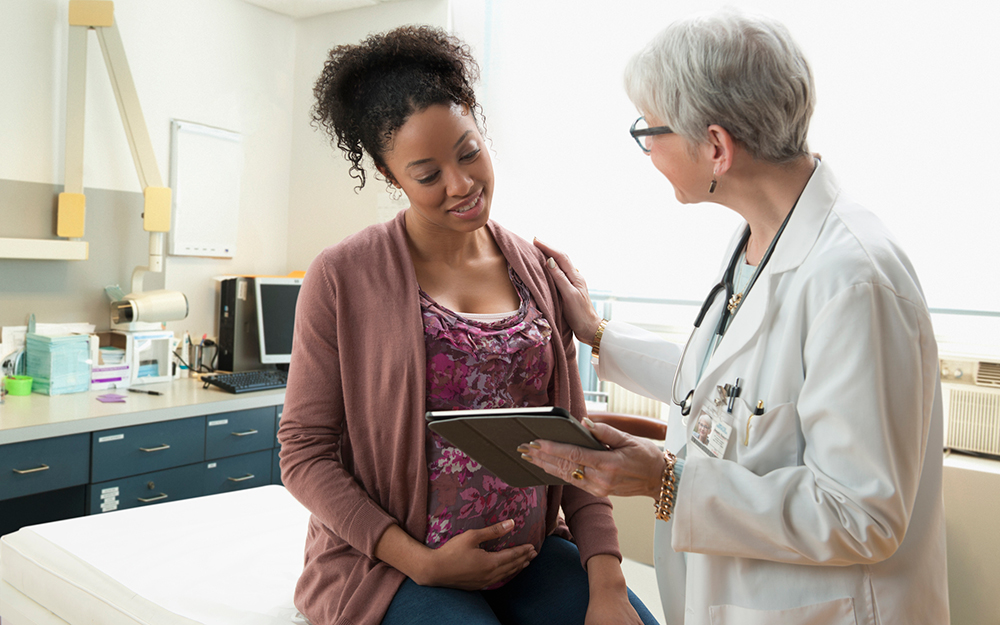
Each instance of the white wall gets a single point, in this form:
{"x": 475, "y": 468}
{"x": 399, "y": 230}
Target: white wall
{"x": 904, "y": 96}
{"x": 905, "y": 117}
{"x": 324, "y": 207}
{"x": 223, "y": 63}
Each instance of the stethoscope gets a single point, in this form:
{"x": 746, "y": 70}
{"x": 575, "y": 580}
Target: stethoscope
{"x": 732, "y": 306}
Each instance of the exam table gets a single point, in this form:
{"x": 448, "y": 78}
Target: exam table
{"x": 224, "y": 559}
{"x": 227, "y": 559}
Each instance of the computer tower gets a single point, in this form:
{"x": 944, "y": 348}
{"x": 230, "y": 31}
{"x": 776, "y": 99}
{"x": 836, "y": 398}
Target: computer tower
{"x": 238, "y": 348}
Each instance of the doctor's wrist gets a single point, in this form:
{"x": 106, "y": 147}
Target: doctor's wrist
{"x": 664, "y": 504}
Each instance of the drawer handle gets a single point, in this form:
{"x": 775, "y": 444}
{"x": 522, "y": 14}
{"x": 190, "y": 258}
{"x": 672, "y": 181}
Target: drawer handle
{"x": 149, "y": 449}
{"x": 247, "y": 433}
{"x": 44, "y": 467}
{"x": 159, "y": 497}
{"x": 248, "y": 476}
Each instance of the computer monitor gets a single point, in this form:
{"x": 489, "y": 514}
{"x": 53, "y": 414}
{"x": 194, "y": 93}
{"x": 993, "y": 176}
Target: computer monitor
{"x": 276, "y": 298}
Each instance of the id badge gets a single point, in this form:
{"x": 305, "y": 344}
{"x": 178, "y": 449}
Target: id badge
{"x": 711, "y": 432}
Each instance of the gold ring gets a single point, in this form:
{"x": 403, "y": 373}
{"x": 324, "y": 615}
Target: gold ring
{"x": 578, "y": 473}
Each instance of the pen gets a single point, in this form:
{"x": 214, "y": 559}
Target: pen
{"x": 733, "y": 395}
{"x": 758, "y": 411}
{"x": 139, "y": 390}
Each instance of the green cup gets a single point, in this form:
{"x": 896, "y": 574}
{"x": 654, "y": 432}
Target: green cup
{"x": 18, "y": 384}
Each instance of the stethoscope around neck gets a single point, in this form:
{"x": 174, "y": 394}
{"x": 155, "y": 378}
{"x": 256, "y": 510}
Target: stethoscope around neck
{"x": 730, "y": 306}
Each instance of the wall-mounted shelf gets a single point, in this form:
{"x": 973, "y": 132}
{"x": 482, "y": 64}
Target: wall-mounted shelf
{"x": 44, "y": 249}
{"x": 84, "y": 16}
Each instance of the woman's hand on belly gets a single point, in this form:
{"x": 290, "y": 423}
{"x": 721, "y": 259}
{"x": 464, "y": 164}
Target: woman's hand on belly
{"x": 458, "y": 563}
{"x": 461, "y": 563}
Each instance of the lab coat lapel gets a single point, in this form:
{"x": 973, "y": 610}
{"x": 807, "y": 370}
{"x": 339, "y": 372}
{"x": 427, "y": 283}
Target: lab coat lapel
{"x": 798, "y": 238}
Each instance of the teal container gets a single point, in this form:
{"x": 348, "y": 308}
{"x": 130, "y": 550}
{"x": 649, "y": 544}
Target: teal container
{"x": 58, "y": 364}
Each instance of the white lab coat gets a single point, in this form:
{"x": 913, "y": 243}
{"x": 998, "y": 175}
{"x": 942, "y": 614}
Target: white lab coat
{"x": 827, "y": 509}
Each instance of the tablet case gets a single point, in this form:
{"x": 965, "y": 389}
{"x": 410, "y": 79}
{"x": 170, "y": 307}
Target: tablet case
{"x": 491, "y": 438}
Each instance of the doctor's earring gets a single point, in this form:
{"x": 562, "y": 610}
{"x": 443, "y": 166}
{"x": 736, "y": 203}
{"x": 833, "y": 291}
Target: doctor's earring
{"x": 715, "y": 179}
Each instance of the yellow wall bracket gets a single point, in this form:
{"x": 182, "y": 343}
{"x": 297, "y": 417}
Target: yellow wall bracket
{"x": 156, "y": 209}
{"x": 91, "y": 13}
{"x": 99, "y": 16}
{"x": 69, "y": 222}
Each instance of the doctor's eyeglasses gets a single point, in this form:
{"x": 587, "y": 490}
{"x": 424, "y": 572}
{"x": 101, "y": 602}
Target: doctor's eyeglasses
{"x": 641, "y": 132}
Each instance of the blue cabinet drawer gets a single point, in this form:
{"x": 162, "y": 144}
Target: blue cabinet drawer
{"x": 144, "y": 448}
{"x": 43, "y": 465}
{"x": 147, "y": 489}
{"x": 237, "y": 472}
{"x": 275, "y": 467}
{"x": 233, "y": 433}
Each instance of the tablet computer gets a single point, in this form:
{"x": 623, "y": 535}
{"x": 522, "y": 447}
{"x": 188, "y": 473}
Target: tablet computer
{"x": 491, "y": 438}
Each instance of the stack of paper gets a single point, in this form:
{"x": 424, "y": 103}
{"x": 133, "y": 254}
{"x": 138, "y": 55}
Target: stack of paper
{"x": 58, "y": 364}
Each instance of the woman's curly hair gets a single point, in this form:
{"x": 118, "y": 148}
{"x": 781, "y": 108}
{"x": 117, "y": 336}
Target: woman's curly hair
{"x": 367, "y": 91}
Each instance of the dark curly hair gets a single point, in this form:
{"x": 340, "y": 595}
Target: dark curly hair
{"x": 368, "y": 91}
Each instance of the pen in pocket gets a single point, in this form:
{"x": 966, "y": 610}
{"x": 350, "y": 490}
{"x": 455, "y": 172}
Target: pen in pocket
{"x": 759, "y": 410}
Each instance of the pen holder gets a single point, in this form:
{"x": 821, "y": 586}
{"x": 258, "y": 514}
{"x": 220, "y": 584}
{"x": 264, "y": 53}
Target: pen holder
{"x": 195, "y": 361}
{"x": 18, "y": 384}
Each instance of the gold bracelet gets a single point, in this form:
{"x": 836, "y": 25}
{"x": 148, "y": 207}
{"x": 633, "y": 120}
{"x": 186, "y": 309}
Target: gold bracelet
{"x": 664, "y": 506}
{"x": 595, "y": 343}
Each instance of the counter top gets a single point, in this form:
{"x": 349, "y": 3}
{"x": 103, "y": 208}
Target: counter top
{"x": 35, "y": 416}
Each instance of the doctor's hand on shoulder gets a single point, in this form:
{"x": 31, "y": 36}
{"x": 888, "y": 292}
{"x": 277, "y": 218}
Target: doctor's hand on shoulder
{"x": 577, "y": 307}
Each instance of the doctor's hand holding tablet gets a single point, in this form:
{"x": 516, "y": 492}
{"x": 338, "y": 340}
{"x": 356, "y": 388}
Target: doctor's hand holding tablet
{"x": 802, "y": 472}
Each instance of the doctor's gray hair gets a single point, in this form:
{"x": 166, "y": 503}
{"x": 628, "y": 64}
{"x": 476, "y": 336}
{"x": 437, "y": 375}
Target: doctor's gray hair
{"x": 744, "y": 73}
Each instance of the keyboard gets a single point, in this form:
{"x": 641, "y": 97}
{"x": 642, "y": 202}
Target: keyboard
{"x": 246, "y": 381}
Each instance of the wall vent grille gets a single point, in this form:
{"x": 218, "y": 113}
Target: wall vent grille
{"x": 626, "y": 402}
{"x": 988, "y": 374}
{"x": 972, "y": 419}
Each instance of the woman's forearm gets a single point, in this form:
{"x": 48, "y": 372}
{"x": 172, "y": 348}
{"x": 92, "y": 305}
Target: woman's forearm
{"x": 402, "y": 552}
{"x": 604, "y": 573}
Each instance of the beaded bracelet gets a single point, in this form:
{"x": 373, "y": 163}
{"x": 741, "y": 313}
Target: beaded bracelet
{"x": 595, "y": 344}
{"x": 664, "y": 505}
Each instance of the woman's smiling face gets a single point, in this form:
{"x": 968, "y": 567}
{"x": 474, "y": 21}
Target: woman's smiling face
{"x": 439, "y": 159}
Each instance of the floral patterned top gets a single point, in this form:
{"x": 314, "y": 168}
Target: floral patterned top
{"x": 472, "y": 364}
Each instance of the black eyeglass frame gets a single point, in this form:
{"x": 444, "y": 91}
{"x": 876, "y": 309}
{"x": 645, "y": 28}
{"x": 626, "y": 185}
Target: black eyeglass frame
{"x": 647, "y": 132}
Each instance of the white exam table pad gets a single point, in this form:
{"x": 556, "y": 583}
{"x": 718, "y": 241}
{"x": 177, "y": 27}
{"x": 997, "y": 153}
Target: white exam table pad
{"x": 223, "y": 559}
{"x": 232, "y": 558}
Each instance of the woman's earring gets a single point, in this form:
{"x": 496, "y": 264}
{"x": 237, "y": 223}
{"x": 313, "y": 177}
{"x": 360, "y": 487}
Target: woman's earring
{"x": 395, "y": 193}
{"x": 711, "y": 189}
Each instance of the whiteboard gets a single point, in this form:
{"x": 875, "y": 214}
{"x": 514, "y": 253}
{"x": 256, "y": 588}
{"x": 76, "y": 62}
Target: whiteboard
{"x": 206, "y": 164}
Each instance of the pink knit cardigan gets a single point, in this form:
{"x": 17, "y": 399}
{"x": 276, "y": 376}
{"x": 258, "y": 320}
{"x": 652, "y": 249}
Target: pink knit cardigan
{"x": 353, "y": 431}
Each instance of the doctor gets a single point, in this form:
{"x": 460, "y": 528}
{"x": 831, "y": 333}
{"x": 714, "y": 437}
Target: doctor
{"x": 802, "y": 476}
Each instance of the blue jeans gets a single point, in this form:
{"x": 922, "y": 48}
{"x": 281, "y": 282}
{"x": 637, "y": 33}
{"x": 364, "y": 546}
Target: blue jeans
{"x": 553, "y": 590}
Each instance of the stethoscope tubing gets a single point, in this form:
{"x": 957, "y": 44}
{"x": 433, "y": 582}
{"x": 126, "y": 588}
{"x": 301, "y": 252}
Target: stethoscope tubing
{"x": 726, "y": 285}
